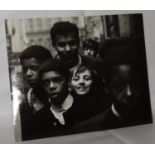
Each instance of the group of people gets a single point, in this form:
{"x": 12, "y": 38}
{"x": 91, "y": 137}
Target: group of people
{"x": 71, "y": 93}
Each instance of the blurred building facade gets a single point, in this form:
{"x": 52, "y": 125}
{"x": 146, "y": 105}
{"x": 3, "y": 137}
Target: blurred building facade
{"x": 22, "y": 33}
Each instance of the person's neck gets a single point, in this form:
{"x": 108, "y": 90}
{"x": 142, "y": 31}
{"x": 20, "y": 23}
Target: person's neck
{"x": 58, "y": 102}
{"x": 75, "y": 62}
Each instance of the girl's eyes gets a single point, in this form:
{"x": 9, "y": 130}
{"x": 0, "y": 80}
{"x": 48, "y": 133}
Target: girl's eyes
{"x": 87, "y": 78}
{"x": 76, "y": 78}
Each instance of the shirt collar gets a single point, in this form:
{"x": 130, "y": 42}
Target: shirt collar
{"x": 115, "y": 112}
{"x": 65, "y": 105}
{"x": 67, "y": 102}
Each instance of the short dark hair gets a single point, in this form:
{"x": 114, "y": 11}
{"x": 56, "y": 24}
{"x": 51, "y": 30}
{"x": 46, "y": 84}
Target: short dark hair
{"x": 91, "y": 44}
{"x": 35, "y": 51}
{"x": 122, "y": 55}
{"x": 54, "y": 65}
{"x": 109, "y": 44}
{"x": 63, "y": 28}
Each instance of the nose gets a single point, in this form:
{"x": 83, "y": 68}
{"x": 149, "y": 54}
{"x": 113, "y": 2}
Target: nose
{"x": 88, "y": 51}
{"x": 29, "y": 72}
{"x": 128, "y": 90}
{"x": 68, "y": 48}
{"x": 52, "y": 85}
{"x": 81, "y": 81}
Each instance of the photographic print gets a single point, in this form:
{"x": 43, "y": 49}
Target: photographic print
{"x": 79, "y": 74}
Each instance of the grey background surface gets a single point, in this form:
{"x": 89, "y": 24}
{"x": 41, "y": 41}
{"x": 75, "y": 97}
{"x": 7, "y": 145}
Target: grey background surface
{"x": 137, "y": 134}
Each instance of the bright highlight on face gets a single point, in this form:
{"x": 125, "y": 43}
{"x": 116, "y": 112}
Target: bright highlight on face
{"x": 82, "y": 82}
{"x": 30, "y": 69}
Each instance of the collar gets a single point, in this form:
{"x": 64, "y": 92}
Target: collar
{"x": 115, "y": 112}
{"x": 65, "y": 105}
{"x": 33, "y": 101}
{"x": 58, "y": 113}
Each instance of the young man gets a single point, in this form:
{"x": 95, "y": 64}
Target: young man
{"x": 66, "y": 41}
{"x": 31, "y": 59}
{"x": 53, "y": 78}
{"x": 126, "y": 83}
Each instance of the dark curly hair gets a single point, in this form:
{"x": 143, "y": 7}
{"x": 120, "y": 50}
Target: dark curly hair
{"x": 63, "y": 28}
{"x": 35, "y": 51}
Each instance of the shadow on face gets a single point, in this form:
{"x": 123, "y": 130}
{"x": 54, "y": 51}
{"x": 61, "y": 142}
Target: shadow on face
{"x": 54, "y": 85}
{"x": 30, "y": 69}
{"x": 67, "y": 48}
{"x": 125, "y": 87}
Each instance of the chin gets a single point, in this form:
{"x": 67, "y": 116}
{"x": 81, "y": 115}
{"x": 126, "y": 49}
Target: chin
{"x": 81, "y": 93}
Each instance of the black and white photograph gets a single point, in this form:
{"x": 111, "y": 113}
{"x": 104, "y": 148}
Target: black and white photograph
{"x": 78, "y": 74}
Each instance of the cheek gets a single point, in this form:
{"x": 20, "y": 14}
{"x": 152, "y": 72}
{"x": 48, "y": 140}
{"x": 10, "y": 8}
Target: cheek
{"x": 92, "y": 52}
{"x": 35, "y": 74}
{"x": 61, "y": 86}
{"x": 46, "y": 89}
{"x": 85, "y": 52}
{"x": 59, "y": 49}
{"x": 74, "y": 47}
{"x": 117, "y": 96}
{"x": 74, "y": 83}
{"x": 74, "y": 50}
{"x": 88, "y": 83}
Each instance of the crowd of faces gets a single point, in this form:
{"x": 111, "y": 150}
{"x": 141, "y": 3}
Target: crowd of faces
{"x": 121, "y": 86}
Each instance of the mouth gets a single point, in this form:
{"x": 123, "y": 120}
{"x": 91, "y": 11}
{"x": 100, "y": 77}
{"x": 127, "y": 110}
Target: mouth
{"x": 130, "y": 103}
{"x": 31, "y": 81}
{"x": 54, "y": 95}
{"x": 81, "y": 88}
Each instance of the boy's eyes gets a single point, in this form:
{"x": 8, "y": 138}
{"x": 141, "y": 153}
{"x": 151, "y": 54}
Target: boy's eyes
{"x": 56, "y": 80}
{"x": 63, "y": 44}
{"x": 35, "y": 68}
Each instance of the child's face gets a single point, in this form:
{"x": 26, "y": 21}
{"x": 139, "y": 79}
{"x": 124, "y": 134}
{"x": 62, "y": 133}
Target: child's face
{"x": 89, "y": 52}
{"x": 82, "y": 82}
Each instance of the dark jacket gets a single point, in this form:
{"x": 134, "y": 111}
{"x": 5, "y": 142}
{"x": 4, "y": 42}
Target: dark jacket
{"x": 108, "y": 120}
{"x": 27, "y": 114}
{"x": 82, "y": 109}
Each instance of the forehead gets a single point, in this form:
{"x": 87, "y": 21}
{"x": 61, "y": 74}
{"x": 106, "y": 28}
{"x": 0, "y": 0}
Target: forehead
{"x": 30, "y": 61}
{"x": 64, "y": 38}
{"x": 125, "y": 71}
{"x": 51, "y": 75}
{"x": 124, "y": 68}
{"x": 83, "y": 72}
